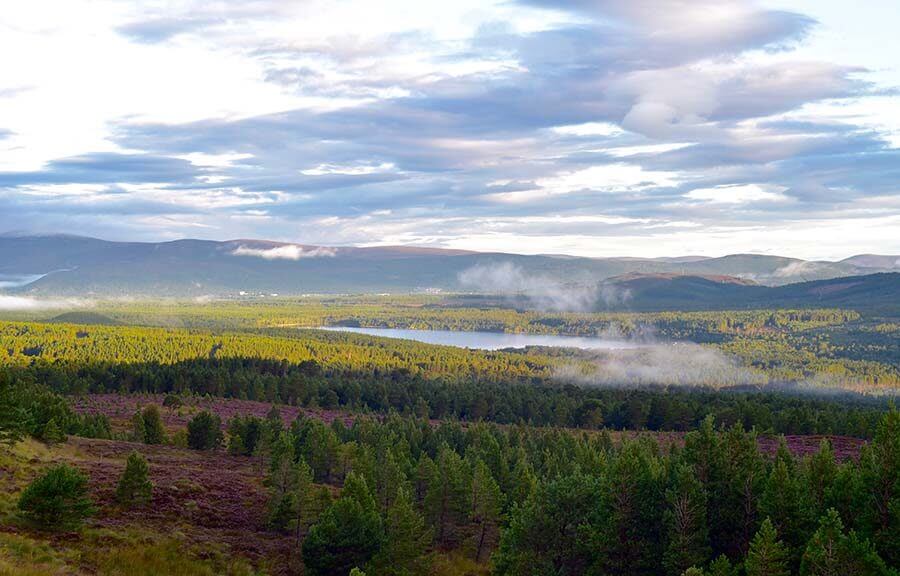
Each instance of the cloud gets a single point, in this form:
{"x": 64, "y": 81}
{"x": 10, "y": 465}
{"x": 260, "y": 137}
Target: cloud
{"x": 738, "y": 194}
{"x": 542, "y": 292}
{"x": 22, "y": 303}
{"x": 398, "y": 121}
{"x": 677, "y": 364}
{"x": 284, "y": 252}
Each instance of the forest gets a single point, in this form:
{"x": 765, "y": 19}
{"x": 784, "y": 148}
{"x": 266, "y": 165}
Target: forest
{"x": 276, "y": 448}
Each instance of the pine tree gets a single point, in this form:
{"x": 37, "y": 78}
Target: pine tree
{"x": 767, "y": 555}
{"x": 204, "y": 431}
{"x": 782, "y": 501}
{"x": 880, "y": 466}
{"x": 347, "y": 535}
{"x": 137, "y": 427}
{"x": 487, "y": 504}
{"x": 819, "y": 476}
{"x": 154, "y": 433}
{"x": 52, "y": 434}
{"x": 447, "y": 497}
{"x": 721, "y": 566}
{"x": 282, "y": 482}
{"x": 830, "y": 552}
{"x": 134, "y": 485}
{"x": 555, "y": 531}
{"x": 704, "y": 452}
{"x": 633, "y": 496}
{"x": 57, "y": 500}
{"x": 406, "y": 541}
{"x": 13, "y": 415}
{"x": 685, "y": 521}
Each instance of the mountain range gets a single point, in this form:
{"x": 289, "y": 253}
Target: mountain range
{"x": 63, "y": 265}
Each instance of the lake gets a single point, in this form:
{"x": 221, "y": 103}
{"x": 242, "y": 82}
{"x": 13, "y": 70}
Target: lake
{"x": 489, "y": 340}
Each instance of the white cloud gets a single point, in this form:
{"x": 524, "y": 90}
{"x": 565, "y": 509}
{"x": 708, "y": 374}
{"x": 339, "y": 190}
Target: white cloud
{"x": 738, "y": 194}
{"x": 354, "y": 170}
{"x": 284, "y": 252}
{"x": 589, "y": 129}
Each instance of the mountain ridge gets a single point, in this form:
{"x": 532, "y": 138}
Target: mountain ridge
{"x": 69, "y": 265}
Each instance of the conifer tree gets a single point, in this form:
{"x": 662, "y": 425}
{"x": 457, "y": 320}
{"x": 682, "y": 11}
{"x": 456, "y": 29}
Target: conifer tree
{"x": 406, "y": 542}
{"x": 446, "y": 501}
{"x": 134, "y": 485}
{"x": 687, "y": 538}
{"x": 347, "y": 535}
{"x": 767, "y": 555}
{"x": 52, "y": 434}
{"x": 154, "y": 433}
{"x": 58, "y": 499}
{"x": 782, "y": 501}
{"x": 137, "y": 427}
{"x": 204, "y": 431}
{"x": 487, "y": 504}
{"x": 880, "y": 467}
{"x": 831, "y": 552}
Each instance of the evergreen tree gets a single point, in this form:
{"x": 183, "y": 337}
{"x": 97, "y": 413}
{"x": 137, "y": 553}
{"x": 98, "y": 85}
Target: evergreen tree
{"x": 154, "y": 433}
{"x": 137, "y": 427}
{"x": 831, "y": 552}
{"x": 880, "y": 466}
{"x": 633, "y": 496}
{"x": 282, "y": 482}
{"x": 347, "y": 535}
{"x": 57, "y": 500}
{"x": 13, "y": 415}
{"x": 487, "y": 504}
{"x": 204, "y": 431}
{"x": 818, "y": 477}
{"x": 721, "y": 566}
{"x": 134, "y": 485}
{"x": 745, "y": 475}
{"x": 704, "y": 452}
{"x": 767, "y": 555}
{"x": 555, "y": 531}
{"x": 406, "y": 541}
{"x": 687, "y": 539}
{"x": 782, "y": 502}
{"x": 52, "y": 433}
{"x": 446, "y": 501}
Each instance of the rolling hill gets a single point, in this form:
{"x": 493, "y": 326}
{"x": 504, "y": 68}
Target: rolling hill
{"x": 89, "y": 267}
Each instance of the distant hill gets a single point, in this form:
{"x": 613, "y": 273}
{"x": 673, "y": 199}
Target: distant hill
{"x": 89, "y": 267}
{"x": 880, "y": 261}
{"x": 654, "y": 292}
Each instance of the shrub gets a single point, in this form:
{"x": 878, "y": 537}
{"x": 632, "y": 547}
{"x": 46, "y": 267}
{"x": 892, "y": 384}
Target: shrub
{"x": 51, "y": 434}
{"x": 58, "y": 499}
{"x": 205, "y": 431}
{"x": 172, "y": 401}
{"x": 134, "y": 485}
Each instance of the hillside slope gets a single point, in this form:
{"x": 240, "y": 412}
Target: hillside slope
{"x": 79, "y": 266}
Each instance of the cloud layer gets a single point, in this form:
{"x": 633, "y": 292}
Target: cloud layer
{"x": 597, "y": 127}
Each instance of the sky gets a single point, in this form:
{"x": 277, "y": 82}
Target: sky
{"x": 587, "y": 127}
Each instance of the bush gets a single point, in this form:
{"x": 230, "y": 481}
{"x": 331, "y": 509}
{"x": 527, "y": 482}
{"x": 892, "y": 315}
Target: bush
{"x": 57, "y": 500}
{"x": 172, "y": 401}
{"x": 205, "y": 431}
{"x": 134, "y": 485}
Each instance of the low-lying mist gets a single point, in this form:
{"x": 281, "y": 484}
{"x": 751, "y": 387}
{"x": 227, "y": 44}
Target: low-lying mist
{"x": 24, "y": 303}
{"x": 542, "y": 292}
{"x": 674, "y": 364}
